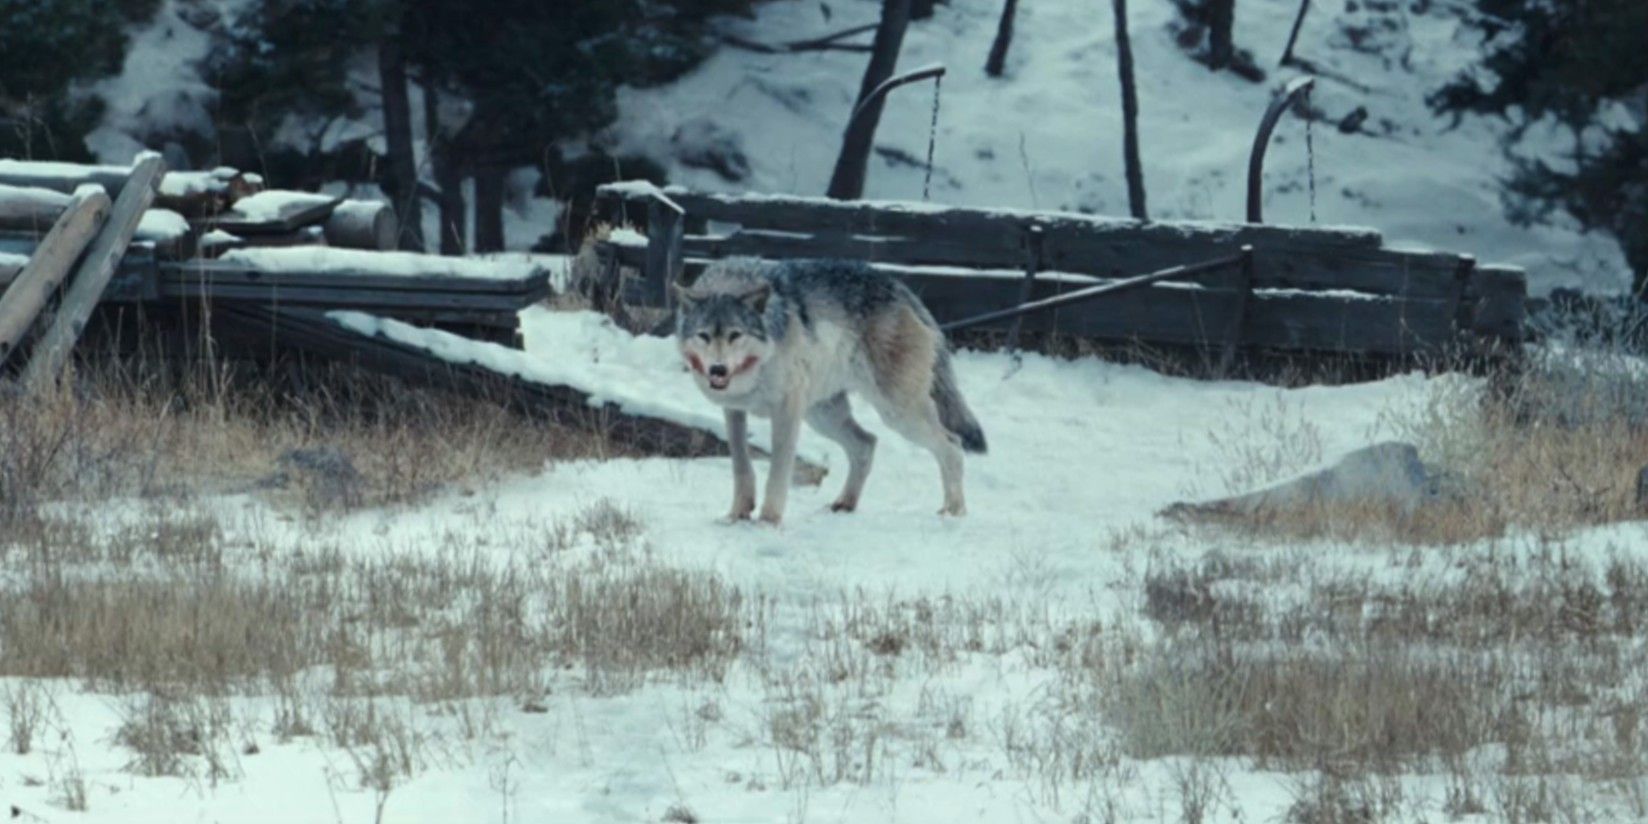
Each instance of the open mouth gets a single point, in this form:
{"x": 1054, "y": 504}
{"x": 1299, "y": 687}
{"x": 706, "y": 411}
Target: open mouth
{"x": 718, "y": 382}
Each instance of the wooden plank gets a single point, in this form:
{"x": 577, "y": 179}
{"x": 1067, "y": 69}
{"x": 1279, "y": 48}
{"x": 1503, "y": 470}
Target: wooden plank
{"x": 806, "y": 214}
{"x": 292, "y": 211}
{"x": 664, "y": 249}
{"x": 1189, "y": 315}
{"x": 49, "y": 265}
{"x": 311, "y": 331}
{"x": 386, "y": 299}
{"x": 233, "y": 273}
{"x": 1374, "y": 271}
{"x": 92, "y": 274}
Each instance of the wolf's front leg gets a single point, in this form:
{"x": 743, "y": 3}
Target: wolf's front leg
{"x": 743, "y": 472}
{"x": 786, "y": 429}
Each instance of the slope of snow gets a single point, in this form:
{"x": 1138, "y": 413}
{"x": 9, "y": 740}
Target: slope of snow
{"x": 1082, "y": 454}
{"x": 1048, "y": 134}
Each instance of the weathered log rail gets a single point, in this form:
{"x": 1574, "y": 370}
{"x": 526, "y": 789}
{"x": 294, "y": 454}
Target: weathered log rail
{"x": 267, "y": 273}
{"x": 1308, "y": 290}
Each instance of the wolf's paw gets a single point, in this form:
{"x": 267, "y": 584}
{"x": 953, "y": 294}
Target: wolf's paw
{"x": 844, "y": 505}
{"x": 953, "y": 510}
{"x": 769, "y": 518}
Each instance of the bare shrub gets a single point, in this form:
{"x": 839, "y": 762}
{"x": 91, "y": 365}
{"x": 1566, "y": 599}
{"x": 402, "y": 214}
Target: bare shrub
{"x": 167, "y": 732}
{"x": 624, "y": 620}
{"x": 26, "y": 705}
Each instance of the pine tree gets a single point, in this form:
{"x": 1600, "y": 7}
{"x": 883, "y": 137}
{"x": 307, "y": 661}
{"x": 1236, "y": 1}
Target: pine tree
{"x": 45, "y": 46}
{"x": 1569, "y": 62}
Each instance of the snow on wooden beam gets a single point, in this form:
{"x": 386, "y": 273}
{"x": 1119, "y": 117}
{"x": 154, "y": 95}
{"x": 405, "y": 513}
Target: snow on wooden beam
{"x": 29, "y": 208}
{"x": 479, "y": 369}
{"x": 192, "y": 194}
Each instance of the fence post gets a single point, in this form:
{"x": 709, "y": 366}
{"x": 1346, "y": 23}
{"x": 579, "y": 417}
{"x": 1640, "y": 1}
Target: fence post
{"x": 665, "y": 229}
{"x": 1244, "y": 296}
{"x": 1033, "y": 237}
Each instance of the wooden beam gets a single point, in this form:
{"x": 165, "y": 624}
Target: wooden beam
{"x": 266, "y": 329}
{"x": 30, "y": 209}
{"x": 664, "y": 248}
{"x": 809, "y": 215}
{"x": 1188, "y": 314}
{"x": 92, "y": 275}
{"x": 1415, "y": 274}
{"x": 49, "y": 265}
{"x": 292, "y": 211}
{"x": 527, "y": 289}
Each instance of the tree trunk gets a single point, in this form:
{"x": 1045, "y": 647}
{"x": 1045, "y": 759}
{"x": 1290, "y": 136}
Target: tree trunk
{"x": 402, "y": 182}
{"x": 1293, "y": 36}
{"x": 1221, "y": 46}
{"x": 1130, "y": 115}
{"x": 454, "y": 232}
{"x": 921, "y": 9}
{"x": 1004, "y": 38}
{"x": 489, "y": 208}
{"x": 847, "y": 182}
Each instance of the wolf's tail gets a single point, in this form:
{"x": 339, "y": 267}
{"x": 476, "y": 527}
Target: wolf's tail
{"x": 952, "y": 408}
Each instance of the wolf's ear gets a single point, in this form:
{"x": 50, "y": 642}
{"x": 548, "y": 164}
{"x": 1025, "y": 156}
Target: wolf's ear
{"x": 684, "y": 296}
{"x": 756, "y": 298}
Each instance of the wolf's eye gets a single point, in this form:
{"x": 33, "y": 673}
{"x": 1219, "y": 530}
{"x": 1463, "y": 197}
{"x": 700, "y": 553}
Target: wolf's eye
{"x": 734, "y": 336}
{"x": 704, "y": 336}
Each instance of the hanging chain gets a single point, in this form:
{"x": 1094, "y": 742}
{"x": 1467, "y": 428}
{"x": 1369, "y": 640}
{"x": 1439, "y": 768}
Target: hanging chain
{"x": 1310, "y": 152}
{"x": 932, "y": 141}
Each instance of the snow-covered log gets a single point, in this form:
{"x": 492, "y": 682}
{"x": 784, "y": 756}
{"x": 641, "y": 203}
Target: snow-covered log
{"x": 92, "y": 273}
{"x": 191, "y": 194}
{"x": 363, "y": 224}
{"x": 28, "y": 292}
{"x": 29, "y": 208}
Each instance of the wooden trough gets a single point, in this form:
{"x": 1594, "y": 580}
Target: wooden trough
{"x": 1309, "y": 290}
{"x": 276, "y": 269}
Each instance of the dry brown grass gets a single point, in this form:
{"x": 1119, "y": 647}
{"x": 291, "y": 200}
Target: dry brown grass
{"x": 150, "y": 429}
{"x": 1550, "y": 448}
{"x": 1522, "y": 680}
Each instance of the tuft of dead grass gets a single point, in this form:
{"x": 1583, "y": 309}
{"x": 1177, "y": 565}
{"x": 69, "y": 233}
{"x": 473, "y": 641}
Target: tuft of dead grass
{"x": 147, "y": 428}
{"x": 1553, "y": 445}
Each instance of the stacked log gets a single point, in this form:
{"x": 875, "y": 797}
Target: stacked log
{"x": 191, "y": 206}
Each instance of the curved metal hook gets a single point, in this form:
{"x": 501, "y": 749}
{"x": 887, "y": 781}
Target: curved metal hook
{"x": 1261, "y": 141}
{"x": 926, "y": 73}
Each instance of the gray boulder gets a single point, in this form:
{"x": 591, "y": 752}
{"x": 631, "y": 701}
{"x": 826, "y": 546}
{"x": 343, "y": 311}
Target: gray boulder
{"x": 1387, "y": 474}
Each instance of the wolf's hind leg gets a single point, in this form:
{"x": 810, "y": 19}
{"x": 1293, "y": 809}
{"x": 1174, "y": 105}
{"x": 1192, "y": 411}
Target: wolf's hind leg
{"x": 917, "y": 419}
{"x": 743, "y": 472}
{"x": 833, "y": 419}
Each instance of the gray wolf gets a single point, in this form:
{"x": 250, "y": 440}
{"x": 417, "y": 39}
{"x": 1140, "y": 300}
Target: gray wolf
{"x": 789, "y": 340}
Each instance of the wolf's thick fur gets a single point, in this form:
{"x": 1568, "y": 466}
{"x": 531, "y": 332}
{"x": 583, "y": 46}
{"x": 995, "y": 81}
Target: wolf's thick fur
{"x": 789, "y": 340}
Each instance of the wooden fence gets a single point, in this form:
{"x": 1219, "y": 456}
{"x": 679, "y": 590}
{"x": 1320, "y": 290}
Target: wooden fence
{"x": 1312, "y": 289}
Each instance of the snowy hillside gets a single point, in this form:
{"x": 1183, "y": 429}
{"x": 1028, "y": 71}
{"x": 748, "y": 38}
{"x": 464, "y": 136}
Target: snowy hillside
{"x": 1048, "y": 133}
{"x": 1045, "y": 135}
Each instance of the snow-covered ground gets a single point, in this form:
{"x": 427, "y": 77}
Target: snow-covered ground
{"x": 1047, "y": 134}
{"x": 1061, "y": 519}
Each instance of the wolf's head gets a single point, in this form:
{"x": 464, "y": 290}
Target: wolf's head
{"x": 724, "y": 336}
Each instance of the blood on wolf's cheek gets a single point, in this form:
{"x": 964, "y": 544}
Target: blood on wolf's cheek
{"x": 747, "y": 364}
{"x": 696, "y": 364}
